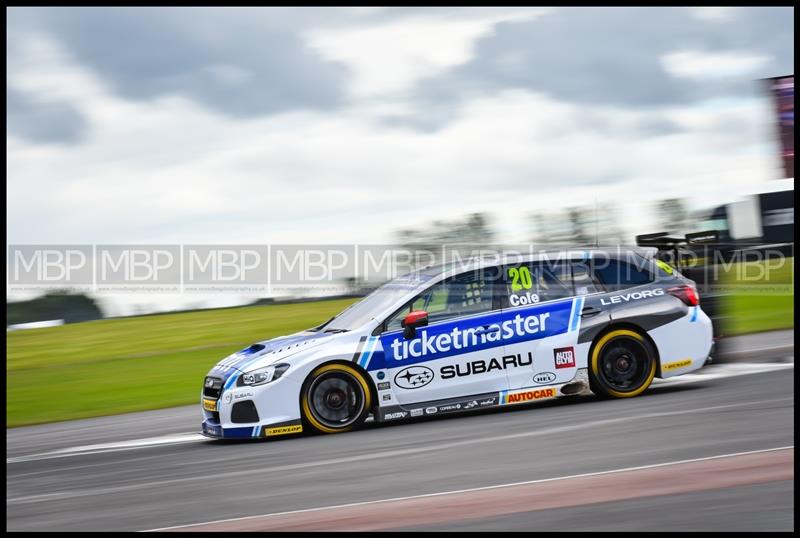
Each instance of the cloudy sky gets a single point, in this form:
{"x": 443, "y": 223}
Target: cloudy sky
{"x": 343, "y": 125}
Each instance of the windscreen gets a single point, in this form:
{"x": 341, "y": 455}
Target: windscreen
{"x": 371, "y": 306}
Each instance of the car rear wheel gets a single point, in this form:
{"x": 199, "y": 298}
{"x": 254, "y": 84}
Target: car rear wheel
{"x": 335, "y": 398}
{"x": 622, "y": 364}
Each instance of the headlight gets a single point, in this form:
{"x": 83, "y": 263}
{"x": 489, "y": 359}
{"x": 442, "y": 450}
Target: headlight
{"x": 262, "y": 375}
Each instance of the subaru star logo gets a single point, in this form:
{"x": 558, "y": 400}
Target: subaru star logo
{"x": 413, "y": 377}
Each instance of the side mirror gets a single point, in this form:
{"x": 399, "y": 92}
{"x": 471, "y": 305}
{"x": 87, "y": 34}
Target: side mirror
{"x": 417, "y": 318}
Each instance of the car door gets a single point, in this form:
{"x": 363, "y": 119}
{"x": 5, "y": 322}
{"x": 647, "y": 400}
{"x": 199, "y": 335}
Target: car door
{"x": 545, "y": 291}
{"x": 457, "y": 353}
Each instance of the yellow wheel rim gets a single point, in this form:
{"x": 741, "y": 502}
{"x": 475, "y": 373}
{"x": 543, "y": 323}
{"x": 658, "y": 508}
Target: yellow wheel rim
{"x": 336, "y": 368}
{"x": 598, "y": 348}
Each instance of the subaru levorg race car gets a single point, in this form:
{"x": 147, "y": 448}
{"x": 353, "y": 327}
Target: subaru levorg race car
{"x": 460, "y": 337}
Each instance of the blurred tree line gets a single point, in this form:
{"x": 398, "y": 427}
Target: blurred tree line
{"x": 463, "y": 235}
{"x": 71, "y": 307}
{"x": 573, "y": 226}
{"x": 673, "y": 215}
{"x": 474, "y": 229}
{"x": 578, "y": 226}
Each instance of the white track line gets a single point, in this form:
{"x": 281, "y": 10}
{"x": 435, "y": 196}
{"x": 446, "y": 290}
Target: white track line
{"x": 134, "y": 444}
{"x": 71, "y": 494}
{"x": 712, "y": 372}
{"x": 483, "y": 488}
{"x": 722, "y": 371}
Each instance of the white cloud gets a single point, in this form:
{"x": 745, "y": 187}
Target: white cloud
{"x": 170, "y": 171}
{"x": 391, "y": 57}
{"x": 706, "y": 65}
{"x": 714, "y": 13}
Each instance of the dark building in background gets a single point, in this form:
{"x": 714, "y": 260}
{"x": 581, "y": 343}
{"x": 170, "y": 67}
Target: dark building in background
{"x": 782, "y": 90}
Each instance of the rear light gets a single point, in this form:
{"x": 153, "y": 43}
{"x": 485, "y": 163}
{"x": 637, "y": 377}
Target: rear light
{"x": 687, "y": 294}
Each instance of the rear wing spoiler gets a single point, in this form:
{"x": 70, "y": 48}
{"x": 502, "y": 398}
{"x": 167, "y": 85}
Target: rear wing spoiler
{"x": 674, "y": 250}
{"x": 663, "y": 241}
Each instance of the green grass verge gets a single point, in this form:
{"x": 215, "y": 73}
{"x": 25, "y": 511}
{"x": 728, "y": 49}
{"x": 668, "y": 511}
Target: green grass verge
{"x": 761, "y": 298}
{"x": 116, "y": 366}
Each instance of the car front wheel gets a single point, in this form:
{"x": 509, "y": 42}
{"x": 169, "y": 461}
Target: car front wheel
{"x": 335, "y": 398}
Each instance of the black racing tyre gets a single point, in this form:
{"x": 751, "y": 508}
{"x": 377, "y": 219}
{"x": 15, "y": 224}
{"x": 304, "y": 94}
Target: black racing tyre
{"x": 335, "y": 398}
{"x": 622, "y": 364}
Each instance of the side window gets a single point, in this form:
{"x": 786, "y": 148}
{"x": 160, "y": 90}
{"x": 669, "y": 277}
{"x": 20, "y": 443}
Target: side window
{"x": 461, "y": 295}
{"x": 529, "y": 283}
{"x": 616, "y": 274}
{"x": 582, "y": 279}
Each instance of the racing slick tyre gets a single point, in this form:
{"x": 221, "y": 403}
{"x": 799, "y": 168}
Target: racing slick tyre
{"x": 335, "y": 398}
{"x": 622, "y": 364}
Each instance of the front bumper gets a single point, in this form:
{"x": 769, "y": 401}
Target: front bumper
{"x": 215, "y": 431}
{"x": 249, "y": 412}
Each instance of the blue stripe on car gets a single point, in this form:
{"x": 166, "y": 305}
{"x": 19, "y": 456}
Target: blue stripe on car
{"x": 575, "y": 316}
{"x": 367, "y": 356}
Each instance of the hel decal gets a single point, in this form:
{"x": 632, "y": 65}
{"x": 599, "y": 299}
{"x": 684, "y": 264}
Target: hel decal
{"x": 543, "y": 378}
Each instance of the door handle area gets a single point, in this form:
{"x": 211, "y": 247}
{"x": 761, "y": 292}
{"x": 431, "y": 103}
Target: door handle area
{"x": 487, "y": 329}
{"x": 590, "y": 311}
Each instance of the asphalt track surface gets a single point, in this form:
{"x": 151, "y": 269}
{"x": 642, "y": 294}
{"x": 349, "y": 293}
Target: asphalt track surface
{"x": 150, "y": 470}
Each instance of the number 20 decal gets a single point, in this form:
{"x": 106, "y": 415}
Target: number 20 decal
{"x": 520, "y": 278}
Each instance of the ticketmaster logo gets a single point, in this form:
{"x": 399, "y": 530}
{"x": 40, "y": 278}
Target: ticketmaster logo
{"x": 426, "y": 345}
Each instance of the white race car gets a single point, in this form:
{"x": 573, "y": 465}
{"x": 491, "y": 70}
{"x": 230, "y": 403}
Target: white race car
{"x": 460, "y": 337}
